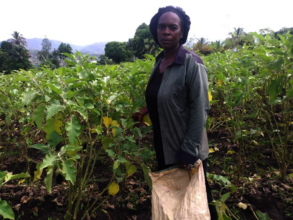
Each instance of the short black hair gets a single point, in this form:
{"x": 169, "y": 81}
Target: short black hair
{"x": 185, "y": 22}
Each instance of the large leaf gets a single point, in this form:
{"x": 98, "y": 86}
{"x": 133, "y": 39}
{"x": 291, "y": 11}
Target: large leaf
{"x": 49, "y": 127}
{"x": 82, "y": 111}
{"x": 49, "y": 160}
{"x": 107, "y": 121}
{"x": 28, "y": 97}
{"x": 277, "y": 64}
{"x": 38, "y": 115}
{"x": 6, "y": 210}
{"x": 146, "y": 171}
{"x": 54, "y": 108}
{"x": 38, "y": 172}
{"x": 69, "y": 170}
{"x": 54, "y": 139}
{"x": 42, "y": 147}
{"x": 73, "y": 130}
{"x": 48, "y": 179}
{"x": 9, "y": 176}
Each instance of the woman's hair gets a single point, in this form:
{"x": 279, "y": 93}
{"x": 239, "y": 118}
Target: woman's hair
{"x": 185, "y": 22}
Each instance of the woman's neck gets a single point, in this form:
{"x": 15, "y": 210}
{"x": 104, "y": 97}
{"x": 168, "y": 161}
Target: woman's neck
{"x": 170, "y": 53}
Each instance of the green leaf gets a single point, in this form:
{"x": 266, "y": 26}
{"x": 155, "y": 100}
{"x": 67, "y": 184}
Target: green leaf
{"x": 221, "y": 77}
{"x": 233, "y": 188}
{"x": 106, "y": 141}
{"x": 262, "y": 216}
{"x": 121, "y": 159}
{"x": 147, "y": 129}
{"x": 54, "y": 89}
{"x": 225, "y": 217}
{"x": 49, "y": 127}
{"x": 38, "y": 172}
{"x": 49, "y": 160}
{"x": 82, "y": 111}
{"x": 48, "y": 179}
{"x": 277, "y": 64}
{"x": 28, "y": 97}
{"x": 146, "y": 171}
{"x": 73, "y": 130}
{"x": 21, "y": 78}
{"x": 6, "y": 210}
{"x": 69, "y": 170}
{"x": 9, "y": 177}
{"x": 222, "y": 179}
{"x": 2, "y": 175}
{"x": 54, "y": 108}
{"x": 38, "y": 115}
{"x": 42, "y": 147}
{"x": 54, "y": 139}
{"x": 137, "y": 132}
{"x": 110, "y": 153}
{"x": 225, "y": 197}
{"x": 116, "y": 164}
{"x": 89, "y": 106}
{"x": 289, "y": 93}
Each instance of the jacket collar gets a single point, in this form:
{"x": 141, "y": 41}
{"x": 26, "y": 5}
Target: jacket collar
{"x": 180, "y": 56}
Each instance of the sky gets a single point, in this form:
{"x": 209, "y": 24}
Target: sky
{"x": 89, "y": 21}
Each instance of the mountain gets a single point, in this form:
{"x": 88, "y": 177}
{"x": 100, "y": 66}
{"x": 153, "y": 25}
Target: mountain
{"x": 96, "y": 48}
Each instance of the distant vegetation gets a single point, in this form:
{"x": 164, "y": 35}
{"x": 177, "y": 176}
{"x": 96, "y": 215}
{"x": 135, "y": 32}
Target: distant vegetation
{"x": 15, "y": 53}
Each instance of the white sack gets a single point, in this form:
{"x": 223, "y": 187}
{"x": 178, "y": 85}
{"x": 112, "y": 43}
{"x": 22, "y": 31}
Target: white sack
{"x": 175, "y": 197}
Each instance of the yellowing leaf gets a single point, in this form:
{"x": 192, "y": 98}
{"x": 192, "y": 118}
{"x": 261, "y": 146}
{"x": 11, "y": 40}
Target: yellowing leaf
{"x": 217, "y": 162}
{"x": 116, "y": 124}
{"x": 220, "y": 82}
{"x": 131, "y": 169}
{"x": 21, "y": 181}
{"x": 113, "y": 189}
{"x": 107, "y": 121}
{"x": 210, "y": 96}
{"x": 58, "y": 123}
{"x": 231, "y": 152}
{"x": 146, "y": 119}
{"x": 242, "y": 205}
{"x": 38, "y": 172}
{"x": 211, "y": 150}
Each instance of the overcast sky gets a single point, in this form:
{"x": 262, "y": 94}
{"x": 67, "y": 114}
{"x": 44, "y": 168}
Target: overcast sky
{"x": 89, "y": 21}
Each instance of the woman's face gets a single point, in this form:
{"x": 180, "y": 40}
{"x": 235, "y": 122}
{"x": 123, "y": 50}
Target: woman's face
{"x": 169, "y": 30}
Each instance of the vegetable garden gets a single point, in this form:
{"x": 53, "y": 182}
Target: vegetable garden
{"x": 69, "y": 145}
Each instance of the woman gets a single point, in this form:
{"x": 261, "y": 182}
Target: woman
{"x": 177, "y": 96}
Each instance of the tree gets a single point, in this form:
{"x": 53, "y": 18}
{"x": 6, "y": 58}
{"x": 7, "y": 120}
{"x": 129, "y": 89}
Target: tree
{"x": 13, "y": 58}
{"x": 143, "y": 34}
{"x": 48, "y": 58}
{"x": 202, "y": 46}
{"x": 46, "y": 48}
{"x": 64, "y": 48}
{"x": 117, "y": 51}
{"x": 17, "y": 39}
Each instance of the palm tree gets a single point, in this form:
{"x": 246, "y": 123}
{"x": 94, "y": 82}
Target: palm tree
{"x": 17, "y": 39}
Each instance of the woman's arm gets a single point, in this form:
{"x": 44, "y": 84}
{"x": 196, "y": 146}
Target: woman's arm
{"x": 197, "y": 87}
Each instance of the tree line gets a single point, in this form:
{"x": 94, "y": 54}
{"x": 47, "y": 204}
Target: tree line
{"x": 143, "y": 43}
{"x": 15, "y": 56}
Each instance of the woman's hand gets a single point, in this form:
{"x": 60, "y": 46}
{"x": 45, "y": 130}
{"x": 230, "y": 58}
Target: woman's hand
{"x": 138, "y": 116}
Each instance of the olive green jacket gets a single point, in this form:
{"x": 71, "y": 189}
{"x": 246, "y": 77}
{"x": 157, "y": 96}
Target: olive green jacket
{"x": 183, "y": 105}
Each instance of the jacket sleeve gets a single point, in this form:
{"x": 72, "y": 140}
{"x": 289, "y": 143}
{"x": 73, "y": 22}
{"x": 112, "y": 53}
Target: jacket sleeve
{"x": 197, "y": 88}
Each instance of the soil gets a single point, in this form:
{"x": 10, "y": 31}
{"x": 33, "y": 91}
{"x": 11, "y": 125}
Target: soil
{"x": 259, "y": 186}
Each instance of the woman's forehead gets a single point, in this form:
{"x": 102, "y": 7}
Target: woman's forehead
{"x": 169, "y": 17}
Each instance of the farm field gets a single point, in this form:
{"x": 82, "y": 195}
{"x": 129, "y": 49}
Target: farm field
{"x": 70, "y": 150}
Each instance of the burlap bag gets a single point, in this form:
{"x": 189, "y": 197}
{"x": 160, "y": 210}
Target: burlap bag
{"x": 176, "y": 197}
